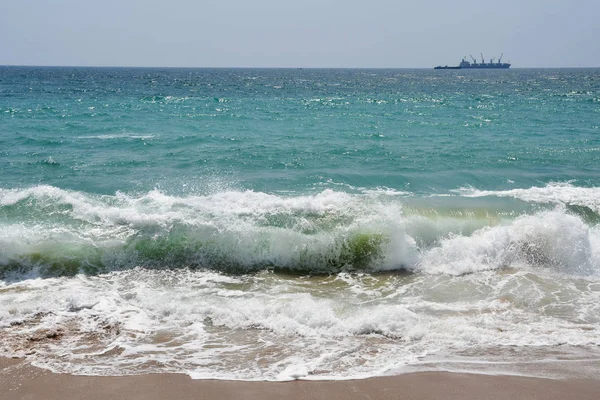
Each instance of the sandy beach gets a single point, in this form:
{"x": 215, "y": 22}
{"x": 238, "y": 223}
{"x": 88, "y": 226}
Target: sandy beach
{"x": 19, "y": 380}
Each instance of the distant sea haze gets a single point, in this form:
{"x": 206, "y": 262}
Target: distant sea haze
{"x": 277, "y": 224}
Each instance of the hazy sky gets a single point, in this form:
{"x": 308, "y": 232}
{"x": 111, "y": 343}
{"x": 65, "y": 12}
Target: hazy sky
{"x": 307, "y": 33}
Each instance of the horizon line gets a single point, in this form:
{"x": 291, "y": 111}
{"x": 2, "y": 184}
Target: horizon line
{"x": 255, "y": 67}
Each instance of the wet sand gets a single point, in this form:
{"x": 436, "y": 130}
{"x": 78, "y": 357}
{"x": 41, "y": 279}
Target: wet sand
{"x": 19, "y": 380}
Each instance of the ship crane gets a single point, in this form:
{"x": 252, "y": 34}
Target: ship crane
{"x": 491, "y": 60}
{"x": 482, "y": 60}
{"x": 500, "y": 59}
{"x": 473, "y": 58}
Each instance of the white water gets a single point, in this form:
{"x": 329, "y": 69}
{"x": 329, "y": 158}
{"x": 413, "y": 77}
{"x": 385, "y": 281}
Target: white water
{"x": 556, "y": 192}
{"x": 306, "y": 233}
{"x": 486, "y": 286}
{"x": 269, "y": 327}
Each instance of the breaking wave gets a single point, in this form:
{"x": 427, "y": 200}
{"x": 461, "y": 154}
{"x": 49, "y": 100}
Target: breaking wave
{"x": 586, "y": 198}
{"x": 53, "y": 232}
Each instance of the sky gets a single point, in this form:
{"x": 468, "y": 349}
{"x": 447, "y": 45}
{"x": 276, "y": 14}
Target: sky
{"x": 307, "y": 33}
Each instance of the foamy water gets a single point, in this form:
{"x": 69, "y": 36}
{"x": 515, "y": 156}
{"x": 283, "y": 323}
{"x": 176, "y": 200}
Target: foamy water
{"x": 223, "y": 286}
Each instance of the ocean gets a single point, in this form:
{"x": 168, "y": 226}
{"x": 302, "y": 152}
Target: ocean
{"x": 278, "y": 224}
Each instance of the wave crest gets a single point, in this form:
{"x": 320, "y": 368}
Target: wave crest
{"x": 52, "y": 232}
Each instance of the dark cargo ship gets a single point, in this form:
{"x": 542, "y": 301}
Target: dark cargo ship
{"x": 464, "y": 64}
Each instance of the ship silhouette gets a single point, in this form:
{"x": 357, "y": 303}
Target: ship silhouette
{"x": 464, "y": 64}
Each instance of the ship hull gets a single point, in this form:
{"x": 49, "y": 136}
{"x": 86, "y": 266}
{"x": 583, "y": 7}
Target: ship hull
{"x": 501, "y": 66}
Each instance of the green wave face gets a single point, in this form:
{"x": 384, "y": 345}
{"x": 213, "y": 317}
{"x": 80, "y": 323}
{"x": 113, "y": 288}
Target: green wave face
{"x": 358, "y": 252}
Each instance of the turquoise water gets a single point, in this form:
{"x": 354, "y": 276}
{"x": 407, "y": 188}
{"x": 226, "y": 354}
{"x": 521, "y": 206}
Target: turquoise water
{"x": 186, "y": 130}
{"x": 298, "y": 223}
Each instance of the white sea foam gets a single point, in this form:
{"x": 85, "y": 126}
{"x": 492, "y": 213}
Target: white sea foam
{"x": 550, "y": 239}
{"x": 308, "y": 232}
{"x": 112, "y": 136}
{"x": 483, "y": 282}
{"x": 555, "y": 192}
{"x": 266, "y": 327}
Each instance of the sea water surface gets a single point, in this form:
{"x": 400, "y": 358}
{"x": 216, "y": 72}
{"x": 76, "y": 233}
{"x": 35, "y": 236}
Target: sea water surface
{"x": 276, "y": 224}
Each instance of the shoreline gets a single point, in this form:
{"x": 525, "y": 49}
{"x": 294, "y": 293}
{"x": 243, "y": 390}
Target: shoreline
{"x": 21, "y": 380}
